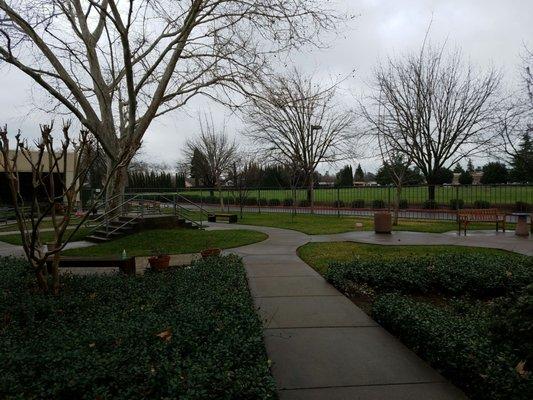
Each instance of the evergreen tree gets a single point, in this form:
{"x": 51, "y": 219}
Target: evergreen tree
{"x": 522, "y": 162}
{"x": 359, "y": 174}
{"x": 494, "y": 172}
{"x": 345, "y": 176}
{"x": 458, "y": 168}
{"x": 466, "y": 178}
{"x": 470, "y": 166}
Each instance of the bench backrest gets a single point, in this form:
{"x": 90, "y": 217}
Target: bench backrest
{"x": 481, "y": 214}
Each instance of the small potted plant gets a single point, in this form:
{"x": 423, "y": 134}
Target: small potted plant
{"x": 159, "y": 261}
{"x": 210, "y": 251}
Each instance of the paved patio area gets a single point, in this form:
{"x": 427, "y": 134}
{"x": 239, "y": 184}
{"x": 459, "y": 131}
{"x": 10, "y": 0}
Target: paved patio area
{"x": 323, "y": 346}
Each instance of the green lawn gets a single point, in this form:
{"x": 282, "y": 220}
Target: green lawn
{"x": 320, "y": 255}
{"x": 171, "y": 241}
{"x": 44, "y": 224}
{"x": 327, "y": 224}
{"x": 414, "y": 195}
{"x": 45, "y": 236}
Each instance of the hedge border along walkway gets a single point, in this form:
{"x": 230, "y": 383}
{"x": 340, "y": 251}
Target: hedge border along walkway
{"x": 191, "y": 333}
{"x": 460, "y": 312}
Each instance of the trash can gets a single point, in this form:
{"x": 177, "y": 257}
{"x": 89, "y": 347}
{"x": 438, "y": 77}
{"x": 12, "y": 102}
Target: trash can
{"x": 382, "y": 222}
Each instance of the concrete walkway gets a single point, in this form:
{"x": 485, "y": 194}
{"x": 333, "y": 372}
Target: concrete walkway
{"x": 321, "y": 344}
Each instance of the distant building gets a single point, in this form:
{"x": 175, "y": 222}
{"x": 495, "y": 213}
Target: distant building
{"x": 25, "y": 176}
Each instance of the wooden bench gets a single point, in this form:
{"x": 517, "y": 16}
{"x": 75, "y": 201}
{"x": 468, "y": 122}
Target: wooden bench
{"x": 231, "y": 218}
{"x": 125, "y": 265}
{"x": 464, "y": 217}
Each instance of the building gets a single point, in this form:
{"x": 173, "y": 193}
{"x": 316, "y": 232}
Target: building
{"x": 25, "y": 176}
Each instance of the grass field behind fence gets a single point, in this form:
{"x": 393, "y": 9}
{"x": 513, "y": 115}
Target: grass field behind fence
{"x": 415, "y": 196}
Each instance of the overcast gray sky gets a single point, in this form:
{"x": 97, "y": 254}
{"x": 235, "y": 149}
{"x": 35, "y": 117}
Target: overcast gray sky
{"x": 488, "y": 32}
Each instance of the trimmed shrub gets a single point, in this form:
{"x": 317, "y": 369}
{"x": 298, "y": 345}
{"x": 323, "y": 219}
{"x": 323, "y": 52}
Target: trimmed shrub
{"x": 481, "y": 204}
{"x": 359, "y": 203}
{"x": 459, "y": 345}
{"x": 430, "y": 205}
{"x": 338, "y": 204}
{"x": 262, "y": 202}
{"x": 454, "y": 274}
{"x": 288, "y": 202}
{"x": 274, "y": 202}
{"x": 186, "y": 333}
{"x": 304, "y": 203}
{"x": 457, "y": 204}
{"x": 403, "y": 204}
{"x": 378, "y": 203}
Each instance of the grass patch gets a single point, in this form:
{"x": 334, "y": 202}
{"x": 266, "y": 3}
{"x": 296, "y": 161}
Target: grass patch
{"x": 329, "y": 224}
{"x": 189, "y": 333}
{"x": 45, "y": 236}
{"x": 171, "y": 241}
{"x": 320, "y": 255}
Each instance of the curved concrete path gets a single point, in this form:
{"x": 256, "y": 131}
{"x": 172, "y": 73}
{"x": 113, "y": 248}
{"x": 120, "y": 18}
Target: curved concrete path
{"x": 321, "y": 344}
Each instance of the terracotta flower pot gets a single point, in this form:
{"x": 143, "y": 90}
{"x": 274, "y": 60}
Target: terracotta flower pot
{"x": 159, "y": 263}
{"x": 214, "y": 252}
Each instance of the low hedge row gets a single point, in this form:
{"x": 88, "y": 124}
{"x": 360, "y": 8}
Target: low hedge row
{"x": 189, "y": 333}
{"x": 460, "y": 345}
{"x": 456, "y": 274}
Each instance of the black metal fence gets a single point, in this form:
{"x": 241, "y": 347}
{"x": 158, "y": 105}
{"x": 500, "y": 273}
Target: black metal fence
{"x": 414, "y": 201}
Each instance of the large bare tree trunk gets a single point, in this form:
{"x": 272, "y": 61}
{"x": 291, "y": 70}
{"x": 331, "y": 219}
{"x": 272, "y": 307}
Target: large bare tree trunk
{"x": 116, "y": 189}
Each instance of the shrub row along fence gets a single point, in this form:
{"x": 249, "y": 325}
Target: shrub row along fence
{"x": 414, "y": 201}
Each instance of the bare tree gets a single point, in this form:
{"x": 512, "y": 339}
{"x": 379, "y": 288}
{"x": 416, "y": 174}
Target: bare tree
{"x": 397, "y": 166}
{"x": 119, "y": 65}
{"x": 515, "y": 121}
{"x": 300, "y": 123}
{"x": 433, "y": 109}
{"x": 217, "y": 150}
{"x": 51, "y": 196}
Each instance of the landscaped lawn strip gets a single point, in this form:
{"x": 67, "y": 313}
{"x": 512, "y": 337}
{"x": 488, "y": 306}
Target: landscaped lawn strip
{"x": 321, "y": 255}
{"x": 465, "y": 310}
{"x": 189, "y": 333}
{"x": 170, "y": 241}
{"x": 46, "y": 236}
{"x": 328, "y": 224}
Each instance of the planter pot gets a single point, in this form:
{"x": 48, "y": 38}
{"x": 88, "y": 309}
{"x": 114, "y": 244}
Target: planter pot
{"x": 210, "y": 253}
{"x": 382, "y": 222}
{"x": 159, "y": 263}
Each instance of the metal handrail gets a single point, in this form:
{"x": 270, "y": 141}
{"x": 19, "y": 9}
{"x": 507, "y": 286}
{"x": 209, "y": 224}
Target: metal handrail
{"x": 186, "y": 210}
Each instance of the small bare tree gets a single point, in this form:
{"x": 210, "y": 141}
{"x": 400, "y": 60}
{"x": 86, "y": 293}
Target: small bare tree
{"x": 217, "y": 150}
{"x": 52, "y": 194}
{"x": 298, "y": 122}
{"x": 515, "y": 120}
{"x": 118, "y": 65}
{"x": 397, "y": 166}
{"x": 433, "y": 109}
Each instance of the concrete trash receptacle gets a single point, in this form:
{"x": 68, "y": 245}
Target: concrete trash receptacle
{"x": 382, "y": 222}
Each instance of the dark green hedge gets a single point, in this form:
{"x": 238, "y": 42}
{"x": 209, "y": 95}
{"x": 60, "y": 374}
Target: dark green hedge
{"x": 456, "y": 274}
{"x": 457, "y": 343}
{"x": 98, "y": 339}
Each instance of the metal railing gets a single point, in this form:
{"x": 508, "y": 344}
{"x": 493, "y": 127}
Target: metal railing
{"x": 414, "y": 201}
{"x": 140, "y": 205}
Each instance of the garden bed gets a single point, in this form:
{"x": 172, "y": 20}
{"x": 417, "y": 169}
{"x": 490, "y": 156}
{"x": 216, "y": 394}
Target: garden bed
{"x": 470, "y": 315}
{"x": 187, "y": 333}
